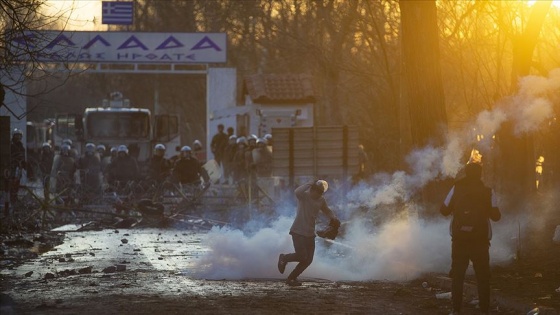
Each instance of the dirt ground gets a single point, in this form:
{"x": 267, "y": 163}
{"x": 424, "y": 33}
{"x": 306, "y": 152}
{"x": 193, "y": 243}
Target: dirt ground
{"x": 143, "y": 289}
{"x": 148, "y": 292}
{"x": 534, "y": 279}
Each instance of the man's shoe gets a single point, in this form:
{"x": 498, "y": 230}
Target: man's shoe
{"x": 281, "y": 263}
{"x": 293, "y": 282}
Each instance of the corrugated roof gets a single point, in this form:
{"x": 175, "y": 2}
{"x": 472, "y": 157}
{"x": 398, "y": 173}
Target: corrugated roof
{"x": 279, "y": 88}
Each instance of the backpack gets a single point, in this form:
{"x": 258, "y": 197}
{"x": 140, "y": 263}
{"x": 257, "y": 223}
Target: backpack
{"x": 471, "y": 204}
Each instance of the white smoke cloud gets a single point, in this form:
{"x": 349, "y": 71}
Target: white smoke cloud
{"x": 537, "y": 86}
{"x": 385, "y": 189}
{"x": 451, "y": 162}
{"x": 235, "y": 255}
{"x": 531, "y": 114}
{"x": 489, "y": 122}
{"x": 398, "y": 249}
{"x": 531, "y": 106}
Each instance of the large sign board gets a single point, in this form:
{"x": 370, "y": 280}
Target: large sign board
{"x": 120, "y": 47}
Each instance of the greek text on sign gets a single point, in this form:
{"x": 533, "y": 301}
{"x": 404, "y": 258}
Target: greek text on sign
{"x": 121, "y": 47}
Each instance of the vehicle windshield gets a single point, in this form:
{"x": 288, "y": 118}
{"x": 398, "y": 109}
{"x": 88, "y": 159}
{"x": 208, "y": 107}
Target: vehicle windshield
{"x": 118, "y": 125}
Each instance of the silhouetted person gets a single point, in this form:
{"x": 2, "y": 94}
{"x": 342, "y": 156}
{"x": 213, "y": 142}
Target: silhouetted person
{"x": 472, "y": 206}
{"x": 310, "y": 201}
{"x": 218, "y": 144}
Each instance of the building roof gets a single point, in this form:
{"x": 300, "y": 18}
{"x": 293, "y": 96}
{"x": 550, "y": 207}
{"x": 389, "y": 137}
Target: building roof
{"x": 279, "y": 88}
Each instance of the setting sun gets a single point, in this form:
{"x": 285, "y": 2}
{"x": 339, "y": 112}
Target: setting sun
{"x": 555, "y": 3}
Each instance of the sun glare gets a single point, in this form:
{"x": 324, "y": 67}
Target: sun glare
{"x": 79, "y": 15}
{"x": 555, "y": 3}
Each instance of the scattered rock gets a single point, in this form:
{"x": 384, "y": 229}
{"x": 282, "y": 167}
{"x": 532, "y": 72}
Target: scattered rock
{"x": 64, "y": 273}
{"x": 121, "y": 267}
{"x": 160, "y": 258}
{"x": 110, "y": 269}
{"x": 49, "y": 275}
{"x": 124, "y": 241}
{"x": 116, "y": 231}
{"x": 137, "y": 249}
{"x": 126, "y": 234}
{"x": 28, "y": 274}
{"x": 92, "y": 254}
{"x": 85, "y": 270}
{"x": 68, "y": 255}
{"x": 62, "y": 259}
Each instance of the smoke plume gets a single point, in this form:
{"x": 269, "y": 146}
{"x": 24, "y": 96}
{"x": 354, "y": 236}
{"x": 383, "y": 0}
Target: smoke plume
{"x": 395, "y": 247}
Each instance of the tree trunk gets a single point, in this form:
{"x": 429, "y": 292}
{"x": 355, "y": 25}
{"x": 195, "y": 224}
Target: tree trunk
{"x": 517, "y": 151}
{"x": 423, "y": 86}
{"x": 422, "y": 72}
{"x": 524, "y": 44}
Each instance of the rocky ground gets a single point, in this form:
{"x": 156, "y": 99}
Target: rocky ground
{"x": 145, "y": 271}
{"x": 103, "y": 269}
{"x": 534, "y": 279}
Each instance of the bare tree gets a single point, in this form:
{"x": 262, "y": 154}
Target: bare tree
{"x": 519, "y": 149}
{"x": 19, "y": 52}
{"x": 422, "y": 72}
{"x": 19, "y": 56}
{"x": 353, "y": 50}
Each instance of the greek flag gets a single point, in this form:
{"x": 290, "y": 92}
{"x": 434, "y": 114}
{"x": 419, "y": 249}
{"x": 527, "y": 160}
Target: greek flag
{"x": 117, "y": 12}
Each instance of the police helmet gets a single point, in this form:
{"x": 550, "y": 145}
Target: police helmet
{"x": 253, "y": 138}
{"x": 186, "y": 149}
{"x": 46, "y": 145}
{"x": 233, "y": 137}
{"x": 16, "y": 131}
{"x": 64, "y": 149}
{"x": 197, "y": 145}
{"x": 67, "y": 141}
{"x": 261, "y": 141}
{"x": 113, "y": 149}
{"x": 242, "y": 140}
{"x": 101, "y": 147}
{"x": 122, "y": 148}
{"x": 90, "y": 147}
{"x": 159, "y": 146}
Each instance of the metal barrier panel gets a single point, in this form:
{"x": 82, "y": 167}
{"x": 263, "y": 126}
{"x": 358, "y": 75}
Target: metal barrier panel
{"x": 333, "y": 151}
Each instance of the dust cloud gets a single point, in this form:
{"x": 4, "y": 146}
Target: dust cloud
{"x": 393, "y": 247}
